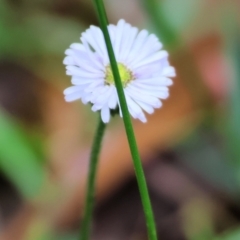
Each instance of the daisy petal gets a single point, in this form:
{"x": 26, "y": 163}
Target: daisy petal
{"x": 143, "y": 67}
{"x": 151, "y": 59}
{"x": 105, "y": 114}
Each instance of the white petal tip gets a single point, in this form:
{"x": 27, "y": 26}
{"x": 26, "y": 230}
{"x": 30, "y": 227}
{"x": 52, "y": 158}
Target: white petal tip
{"x": 120, "y": 21}
{"x": 69, "y": 99}
{"x": 158, "y": 104}
{"x": 105, "y": 120}
{"x": 105, "y": 114}
{"x": 68, "y": 73}
{"x": 165, "y": 95}
{"x": 169, "y": 82}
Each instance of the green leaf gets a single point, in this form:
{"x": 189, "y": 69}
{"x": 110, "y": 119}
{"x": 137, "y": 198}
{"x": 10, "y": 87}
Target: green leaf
{"x": 230, "y": 235}
{"x": 180, "y": 14}
{"x": 17, "y": 160}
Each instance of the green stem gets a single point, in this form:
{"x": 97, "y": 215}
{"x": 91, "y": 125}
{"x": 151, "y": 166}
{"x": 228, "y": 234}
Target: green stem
{"x": 89, "y": 201}
{"x": 128, "y": 125}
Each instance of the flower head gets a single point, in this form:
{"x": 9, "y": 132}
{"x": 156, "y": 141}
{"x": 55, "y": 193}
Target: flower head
{"x": 143, "y": 67}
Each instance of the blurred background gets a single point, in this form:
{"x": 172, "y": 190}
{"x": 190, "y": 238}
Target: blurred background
{"x": 190, "y": 147}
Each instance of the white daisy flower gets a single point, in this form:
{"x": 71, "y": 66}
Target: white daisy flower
{"x": 143, "y": 67}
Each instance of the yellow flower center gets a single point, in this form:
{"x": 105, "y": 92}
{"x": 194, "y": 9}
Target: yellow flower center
{"x": 125, "y": 74}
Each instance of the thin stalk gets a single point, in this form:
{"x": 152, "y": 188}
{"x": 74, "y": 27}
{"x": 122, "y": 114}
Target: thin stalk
{"x": 128, "y": 125}
{"x": 89, "y": 201}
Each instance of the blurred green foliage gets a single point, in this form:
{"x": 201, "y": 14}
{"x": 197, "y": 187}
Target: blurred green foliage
{"x": 233, "y": 117}
{"x": 32, "y": 33}
{"x": 37, "y": 37}
{"x": 29, "y": 35}
{"x": 181, "y": 18}
{"x": 230, "y": 235}
{"x": 17, "y": 159}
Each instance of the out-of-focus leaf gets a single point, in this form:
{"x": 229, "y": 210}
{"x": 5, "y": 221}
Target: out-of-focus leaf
{"x": 35, "y": 34}
{"x": 161, "y": 25}
{"x": 170, "y": 18}
{"x": 55, "y": 33}
{"x": 180, "y": 14}
{"x": 16, "y": 38}
{"x": 197, "y": 220}
{"x": 231, "y": 235}
{"x": 232, "y": 39}
{"x": 39, "y": 230}
{"x": 67, "y": 237}
{"x": 204, "y": 155}
{"x": 17, "y": 160}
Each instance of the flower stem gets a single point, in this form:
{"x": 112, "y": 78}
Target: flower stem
{"x": 89, "y": 201}
{"x": 128, "y": 125}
